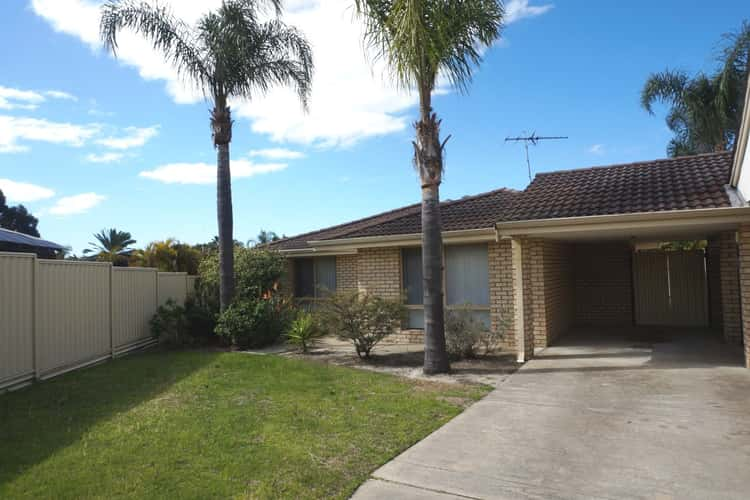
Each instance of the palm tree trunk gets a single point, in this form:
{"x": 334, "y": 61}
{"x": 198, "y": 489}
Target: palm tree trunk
{"x": 221, "y": 123}
{"x": 428, "y": 158}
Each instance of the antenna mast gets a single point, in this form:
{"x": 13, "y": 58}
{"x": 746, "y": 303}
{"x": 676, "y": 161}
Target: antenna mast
{"x": 532, "y": 139}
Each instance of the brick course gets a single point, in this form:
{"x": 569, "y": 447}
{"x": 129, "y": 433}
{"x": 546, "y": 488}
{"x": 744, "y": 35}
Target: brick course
{"x": 730, "y": 287}
{"x": 744, "y": 285}
{"x": 603, "y": 284}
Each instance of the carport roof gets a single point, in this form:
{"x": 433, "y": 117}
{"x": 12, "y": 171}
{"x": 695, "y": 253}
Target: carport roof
{"x": 683, "y": 183}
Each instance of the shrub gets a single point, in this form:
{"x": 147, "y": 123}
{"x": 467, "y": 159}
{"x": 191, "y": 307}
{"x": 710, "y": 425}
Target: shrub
{"x": 304, "y": 331}
{"x": 465, "y": 335}
{"x": 363, "y": 320}
{"x": 257, "y": 273}
{"x": 169, "y": 324}
{"x": 255, "y": 323}
{"x": 174, "y": 324}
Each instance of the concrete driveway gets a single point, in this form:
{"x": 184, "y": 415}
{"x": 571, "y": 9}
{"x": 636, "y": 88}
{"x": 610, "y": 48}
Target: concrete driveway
{"x": 590, "y": 418}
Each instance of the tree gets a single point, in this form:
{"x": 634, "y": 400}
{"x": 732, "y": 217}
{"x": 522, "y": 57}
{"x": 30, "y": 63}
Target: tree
{"x": 111, "y": 246}
{"x": 230, "y": 53}
{"x": 705, "y": 111}
{"x": 420, "y": 40}
{"x": 17, "y": 218}
{"x": 169, "y": 255}
{"x": 265, "y": 237}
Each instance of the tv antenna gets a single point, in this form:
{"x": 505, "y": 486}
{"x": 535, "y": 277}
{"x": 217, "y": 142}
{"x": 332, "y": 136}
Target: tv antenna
{"x": 532, "y": 139}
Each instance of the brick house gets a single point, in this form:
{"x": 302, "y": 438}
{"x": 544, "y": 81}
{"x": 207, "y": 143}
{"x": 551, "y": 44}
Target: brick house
{"x": 576, "y": 248}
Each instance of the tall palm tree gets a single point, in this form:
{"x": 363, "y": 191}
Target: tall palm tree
{"x": 111, "y": 245}
{"x": 705, "y": 110}
{"x": 421, "y": 40}
{"x": 230, "y": 53}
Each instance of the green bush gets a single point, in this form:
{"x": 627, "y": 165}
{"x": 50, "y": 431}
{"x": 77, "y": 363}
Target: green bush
{"x": 304, "y": 331}
{"x": 178, "y": 325}
{"x": 255, "y": 323}
{"x": 465, "y": 335}
{"x": 257, "y": 273}
{"x": 362, "y": 319}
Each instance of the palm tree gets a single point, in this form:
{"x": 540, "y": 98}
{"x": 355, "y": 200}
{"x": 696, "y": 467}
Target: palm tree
{"x": 421, "y": 40}
{"x": 230, "y": 53}
{"x": 705, "y": 110}
{"x": 111, "y": 245}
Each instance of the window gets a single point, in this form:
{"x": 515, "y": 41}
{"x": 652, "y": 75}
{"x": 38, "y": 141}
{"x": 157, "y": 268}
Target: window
{"x": 314, "y": 277}
{"x": 467, "y": 280}
{"x": 412, "y": 284}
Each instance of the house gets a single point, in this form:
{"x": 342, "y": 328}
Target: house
{"x": 13, "y": 241}
{"x": 576, "y": 248}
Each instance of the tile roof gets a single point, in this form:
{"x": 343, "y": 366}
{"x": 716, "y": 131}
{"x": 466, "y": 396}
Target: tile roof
{"x": 688, "y": 182}
{"x": 470, "y": 212}
{"x": 683, "y": 183}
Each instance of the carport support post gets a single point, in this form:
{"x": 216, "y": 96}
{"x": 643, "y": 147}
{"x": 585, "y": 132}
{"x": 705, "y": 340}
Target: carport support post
{"x": 743, "y": 240}
{"x": 518, "y": 313}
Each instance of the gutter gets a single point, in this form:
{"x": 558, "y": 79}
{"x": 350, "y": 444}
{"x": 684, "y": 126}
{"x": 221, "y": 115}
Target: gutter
{"x": 344, "y": 246}
{"x": 642, "y": 220}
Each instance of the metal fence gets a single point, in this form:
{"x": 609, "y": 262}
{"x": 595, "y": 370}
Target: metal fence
{"x": 57, "y": 316}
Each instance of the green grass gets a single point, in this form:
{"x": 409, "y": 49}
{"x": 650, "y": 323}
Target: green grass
{"x": 212, "y": 425}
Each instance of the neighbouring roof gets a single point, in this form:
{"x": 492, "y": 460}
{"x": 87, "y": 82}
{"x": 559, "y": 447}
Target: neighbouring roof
{"x": 16, "y": 238}
{"x": 683, "y": 183}
{"x": 689, "y": 182}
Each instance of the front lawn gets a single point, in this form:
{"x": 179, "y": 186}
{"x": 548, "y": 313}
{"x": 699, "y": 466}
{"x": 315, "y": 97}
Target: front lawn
{"x": 212, "y": 425}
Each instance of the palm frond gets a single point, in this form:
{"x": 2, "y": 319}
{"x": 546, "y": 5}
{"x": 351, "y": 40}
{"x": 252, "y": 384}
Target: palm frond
{"x": 168, "y": 35}
{"x": 421, "y": 39}
{"x": 666, "y": 86}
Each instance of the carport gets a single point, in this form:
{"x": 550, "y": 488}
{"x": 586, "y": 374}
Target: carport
{"x": 588, "y": 257}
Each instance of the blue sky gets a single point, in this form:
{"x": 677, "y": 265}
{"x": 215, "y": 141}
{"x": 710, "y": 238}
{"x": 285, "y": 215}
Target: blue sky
{"x": 88, "y": 142}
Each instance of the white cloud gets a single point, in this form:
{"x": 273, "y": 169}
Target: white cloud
{"x": 24, "y": 192}
{"x": 59, "y": 94}
{"x": 350, "y": 99}
{"x": 277, "y": 154}
{"x": 14, "y": 129}
{"x": 76, "y": 204}
{"x": 11, "y": 98}
{"x": 19, "y": 99}
{"x": 596, "y": 149}
{"x": 104, "y": 157}
{"x": 204, "y": 173}
{"x": 515, "y": 10}
{"x": 134, "y": 137}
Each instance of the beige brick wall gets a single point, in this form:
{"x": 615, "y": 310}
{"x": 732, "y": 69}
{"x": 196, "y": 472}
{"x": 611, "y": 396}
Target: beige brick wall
{"x": 379, "y": 272}
{"x": 730, "y": 287}
{"x": 535, "y": 316}
{"x": 347, "y": 273}
{"x": 743, "y": 239}
{"x": 603, "y": 284}
{"x": 501, "y": 291}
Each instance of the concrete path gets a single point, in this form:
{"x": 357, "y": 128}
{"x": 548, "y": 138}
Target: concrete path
{"x": 593, "y": 419}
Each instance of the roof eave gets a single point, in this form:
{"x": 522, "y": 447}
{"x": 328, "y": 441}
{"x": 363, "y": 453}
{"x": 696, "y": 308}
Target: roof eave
{"x": 667, "y": 218}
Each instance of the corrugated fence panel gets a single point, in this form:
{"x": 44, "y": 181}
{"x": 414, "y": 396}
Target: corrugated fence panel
{"x": 651, "y": 288}
{"x": 16, "y": 317}
{"x": 192, "y": 284}
{"x": 172, "y": 286}
{"x": 73, "y": 316}
{"x": 134, "y": 303}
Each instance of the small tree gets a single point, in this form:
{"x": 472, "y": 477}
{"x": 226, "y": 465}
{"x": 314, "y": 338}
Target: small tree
{"x": 304, "y": 331}
{"x": 361, "y": 319}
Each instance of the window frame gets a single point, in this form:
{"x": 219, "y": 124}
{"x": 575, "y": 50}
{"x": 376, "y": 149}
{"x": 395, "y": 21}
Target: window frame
{"x": 317, "y": 295}
{"x": 455, "y": 307}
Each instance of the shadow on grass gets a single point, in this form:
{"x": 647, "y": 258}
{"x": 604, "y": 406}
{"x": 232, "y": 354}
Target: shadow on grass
{"x": 38, "y": 420}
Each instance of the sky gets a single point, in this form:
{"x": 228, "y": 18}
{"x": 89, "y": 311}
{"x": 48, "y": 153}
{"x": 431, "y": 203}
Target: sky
{"x": 89, "y": 141}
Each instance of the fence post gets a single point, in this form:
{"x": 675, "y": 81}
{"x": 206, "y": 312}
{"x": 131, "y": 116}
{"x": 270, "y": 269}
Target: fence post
{"x": 111, "y": 310}
{"x": 35, "y": 314}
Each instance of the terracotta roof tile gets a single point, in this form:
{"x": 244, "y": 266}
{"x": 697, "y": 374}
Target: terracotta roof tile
{"x": 689, "y": 182}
